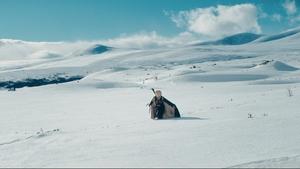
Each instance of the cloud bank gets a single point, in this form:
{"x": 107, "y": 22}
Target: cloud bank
{"x": 219, "y": 21}
{"x": 200, "y": 23}
{"x": 150, "y": 40}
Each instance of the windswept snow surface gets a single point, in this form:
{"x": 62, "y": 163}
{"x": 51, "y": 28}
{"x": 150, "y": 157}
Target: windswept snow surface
{"x": 102, "y": 119}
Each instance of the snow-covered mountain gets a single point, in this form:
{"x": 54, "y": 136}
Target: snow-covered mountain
{"x": 286, "y": 34}
{"x": 244, "y": 38}
{"x": 97, "y": 49}
{"x": 83, "y": 104}
{"x": 237, "y": 39}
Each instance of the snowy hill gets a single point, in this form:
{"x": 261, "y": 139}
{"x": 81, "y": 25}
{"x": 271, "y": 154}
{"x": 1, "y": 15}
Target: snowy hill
{"x": 97, "y": 49}
{"x": 283, "y": 35}
{"x": 83, "y": 104}
{"x": 237, "y": 39}
{"x": 244, "y": 38}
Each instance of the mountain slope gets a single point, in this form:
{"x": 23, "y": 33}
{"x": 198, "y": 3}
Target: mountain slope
{"x": 283, "y": 35}
{"x": 238, "y": 39}
{"x": 97, "y": 49}
{"x": 244, "y": 38}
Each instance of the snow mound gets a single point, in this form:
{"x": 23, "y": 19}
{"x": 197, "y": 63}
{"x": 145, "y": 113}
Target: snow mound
{"x": 237, "y": 39}
{"x": 278, "y": 66}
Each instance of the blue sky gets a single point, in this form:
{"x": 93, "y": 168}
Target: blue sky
{"x": 57, "y": 20}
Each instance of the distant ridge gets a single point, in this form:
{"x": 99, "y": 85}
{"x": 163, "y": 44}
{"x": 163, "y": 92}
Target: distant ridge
{"x": 237, "y": 39}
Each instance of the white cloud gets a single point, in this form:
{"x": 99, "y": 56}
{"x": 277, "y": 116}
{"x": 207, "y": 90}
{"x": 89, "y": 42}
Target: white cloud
{"x": 292, "y": 13}
{"x": 290, "y": 7}
{"x": 294, "y": 19}
{"x": 291, "y": 10}
{"x": 219, "y": 21}
{"x": 276, "y": 17}
{"x": 261, "y": 14}
{"x": 150, "y": 40}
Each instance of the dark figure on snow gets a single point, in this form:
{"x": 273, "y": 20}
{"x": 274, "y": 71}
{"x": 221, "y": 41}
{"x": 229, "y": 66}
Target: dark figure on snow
{"x": 161, "y": 108}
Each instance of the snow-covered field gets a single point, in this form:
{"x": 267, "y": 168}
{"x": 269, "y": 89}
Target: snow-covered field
{"x": 102, "y": 119}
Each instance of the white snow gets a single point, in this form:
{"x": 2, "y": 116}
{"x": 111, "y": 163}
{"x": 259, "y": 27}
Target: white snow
{"x": 102, "y": 120}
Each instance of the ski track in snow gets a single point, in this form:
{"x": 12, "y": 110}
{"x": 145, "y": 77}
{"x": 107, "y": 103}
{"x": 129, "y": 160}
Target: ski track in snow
{"x": 37, "y": 135}
{"x": 283, "y": 162}
{"x": 10, "y": 142}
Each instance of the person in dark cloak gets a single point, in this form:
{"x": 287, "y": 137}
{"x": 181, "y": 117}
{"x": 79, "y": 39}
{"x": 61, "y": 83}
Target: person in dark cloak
{"x": 162, "y": 108}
